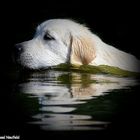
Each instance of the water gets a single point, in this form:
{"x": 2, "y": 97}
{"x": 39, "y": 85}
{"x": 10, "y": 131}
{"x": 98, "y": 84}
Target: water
{"x": 63, "y": 101}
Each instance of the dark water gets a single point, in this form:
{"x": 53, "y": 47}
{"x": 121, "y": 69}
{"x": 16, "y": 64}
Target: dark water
{"x": 67, "y": 101}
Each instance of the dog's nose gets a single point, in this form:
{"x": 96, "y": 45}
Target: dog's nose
{"x": 18, "y": 49}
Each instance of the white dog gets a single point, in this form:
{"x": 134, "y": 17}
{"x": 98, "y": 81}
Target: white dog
{"x": 64, "y": 41}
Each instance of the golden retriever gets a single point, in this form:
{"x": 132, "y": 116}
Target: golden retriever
{"x": 65, "y": 41}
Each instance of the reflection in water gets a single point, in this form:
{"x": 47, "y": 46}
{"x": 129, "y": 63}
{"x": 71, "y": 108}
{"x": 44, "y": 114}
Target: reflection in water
{"x": 59, "y": 95}
{"x": 68, "y": 122}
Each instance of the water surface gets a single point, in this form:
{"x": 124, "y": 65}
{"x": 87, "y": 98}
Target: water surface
{"x": 61, "y": 100}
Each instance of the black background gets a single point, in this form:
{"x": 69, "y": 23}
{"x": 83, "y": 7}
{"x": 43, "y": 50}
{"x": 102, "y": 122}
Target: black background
{"x": 116, "y": 23}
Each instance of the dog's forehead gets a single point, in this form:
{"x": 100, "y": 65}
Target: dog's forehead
{"x": 59, "y": 25}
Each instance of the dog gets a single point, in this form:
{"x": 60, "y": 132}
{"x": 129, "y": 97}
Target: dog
{"x": 59, "y": 41}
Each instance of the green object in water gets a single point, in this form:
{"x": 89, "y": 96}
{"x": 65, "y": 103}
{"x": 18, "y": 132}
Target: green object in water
{"x": 96, "y": 69}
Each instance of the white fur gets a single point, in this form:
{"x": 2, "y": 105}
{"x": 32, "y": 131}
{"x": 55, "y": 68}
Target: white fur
{"x": 111, "y": 56}
{"x": 39, "y": 53}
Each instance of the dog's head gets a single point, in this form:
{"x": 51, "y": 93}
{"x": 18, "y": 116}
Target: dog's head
{"x": 57, "y": 41}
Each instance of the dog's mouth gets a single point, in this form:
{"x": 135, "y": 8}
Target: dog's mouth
{"x": 25, "y": 68}
{"x": 26, "y": 63}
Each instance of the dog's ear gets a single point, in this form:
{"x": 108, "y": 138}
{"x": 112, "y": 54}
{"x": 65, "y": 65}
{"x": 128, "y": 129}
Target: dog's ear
{"x": 81, "y": 50}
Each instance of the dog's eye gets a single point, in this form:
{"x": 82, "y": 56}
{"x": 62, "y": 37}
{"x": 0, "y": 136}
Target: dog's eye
{"x": 48, "y": 37}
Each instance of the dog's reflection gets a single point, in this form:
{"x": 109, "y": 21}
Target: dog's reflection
{"x": 60, "y": 93}
{"x": 61, "y": 88}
